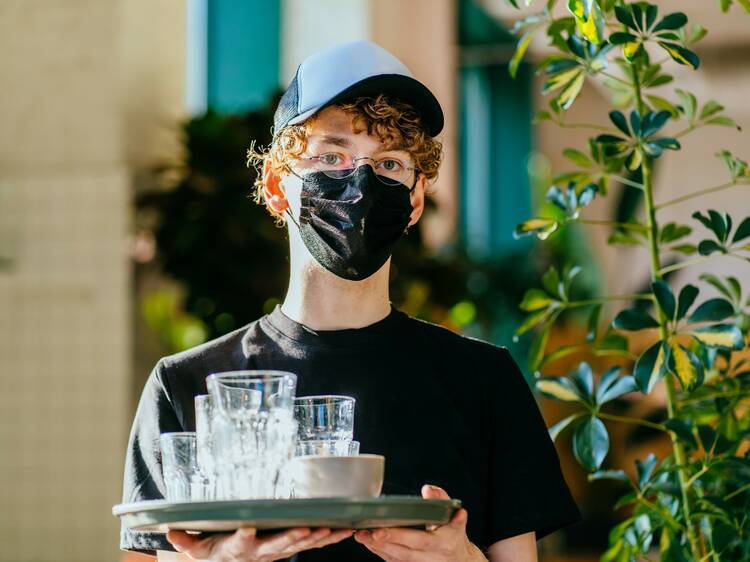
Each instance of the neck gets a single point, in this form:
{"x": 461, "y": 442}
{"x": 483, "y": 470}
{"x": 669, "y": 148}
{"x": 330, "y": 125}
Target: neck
{"x": 322, "y": 301}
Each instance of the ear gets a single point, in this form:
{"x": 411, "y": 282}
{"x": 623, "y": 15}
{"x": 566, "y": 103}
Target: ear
{"x": 273, "y": 192}
{"x": 417, "y": 199}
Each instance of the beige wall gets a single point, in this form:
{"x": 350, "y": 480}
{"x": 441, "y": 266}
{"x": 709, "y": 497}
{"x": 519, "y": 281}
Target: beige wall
{"x": 88, "y": 87}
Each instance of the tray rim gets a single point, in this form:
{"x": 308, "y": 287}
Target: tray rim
{"x": 121, "y": 509}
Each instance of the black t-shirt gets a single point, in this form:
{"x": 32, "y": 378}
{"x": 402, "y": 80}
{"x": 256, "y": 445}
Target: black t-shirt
{"x": 444, "y": 409}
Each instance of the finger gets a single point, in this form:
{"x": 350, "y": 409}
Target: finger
{"x": 399, "y": 552}
{"x": 309, "y": 541}
{"x": 459, "y": 519}
{"x": 281, "y": 541}
{"x": 417, "y": 540}
{"x": 192, "y": 545}
{"x": 430, "y": 492}
{"x": 240, "y": 542}
{"x": 382, "y": 554}
{"x": 334, "y": 537}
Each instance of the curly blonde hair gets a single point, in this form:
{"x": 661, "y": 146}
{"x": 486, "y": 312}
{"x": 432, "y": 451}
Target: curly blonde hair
{"x": 397, "y": 125}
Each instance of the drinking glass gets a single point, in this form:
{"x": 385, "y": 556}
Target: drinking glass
{"x": 327, "y": 448}
{"x": 327, "y": 417}
{"x": 179, "y": 464}
{"x": 253, "y": 431}
{"x": 204, "y": 480}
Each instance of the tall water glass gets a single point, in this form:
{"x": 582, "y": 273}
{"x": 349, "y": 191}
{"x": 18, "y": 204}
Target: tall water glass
{"x": 179, "y": 464}
{"x": 253, "y": 431}
{"x": 327, "y": 417}
{"x": 204, "y": 481}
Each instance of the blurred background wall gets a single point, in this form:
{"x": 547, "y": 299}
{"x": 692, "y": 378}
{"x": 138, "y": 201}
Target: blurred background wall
{"x": 94, "y": 96}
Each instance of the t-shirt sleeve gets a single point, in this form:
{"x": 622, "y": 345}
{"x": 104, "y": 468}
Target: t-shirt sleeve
{"x": 527, "y": 491}
{"x": 143, "y": 474}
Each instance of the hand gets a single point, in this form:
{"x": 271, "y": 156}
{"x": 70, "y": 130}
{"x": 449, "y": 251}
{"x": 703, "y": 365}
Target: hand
{"x": 447, "y": 543}
{"x": 244, "y": 546}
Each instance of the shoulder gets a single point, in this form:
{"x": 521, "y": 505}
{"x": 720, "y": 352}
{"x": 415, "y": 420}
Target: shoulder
{"x": 468, "y": 350}
{"x": 224, "y": 353}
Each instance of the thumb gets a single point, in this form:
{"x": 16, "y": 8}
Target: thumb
{"x": 430, "y": 492}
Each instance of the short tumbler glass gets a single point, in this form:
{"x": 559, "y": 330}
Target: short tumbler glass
{"x": 329, "y": 418}
{"x": 179, "y": 464}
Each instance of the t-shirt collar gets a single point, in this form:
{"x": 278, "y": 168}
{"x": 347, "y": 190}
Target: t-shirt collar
{"x": 281, "y": 324}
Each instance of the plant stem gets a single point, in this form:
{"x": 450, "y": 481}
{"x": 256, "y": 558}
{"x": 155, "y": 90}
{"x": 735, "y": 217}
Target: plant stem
{"x": 626, "y": 181}
{"x": 686, "y": 263}
{"x": 653, "y": 240}
{"x": 602, "y": 300}
{"x": 586, "y": 126}
{"x": 634, "y": 421}
{"x": 737, "y": 492}
{"x": 616, "y": 78}
{"x": 698, "y": 194}
{"x": 626, "y": 225}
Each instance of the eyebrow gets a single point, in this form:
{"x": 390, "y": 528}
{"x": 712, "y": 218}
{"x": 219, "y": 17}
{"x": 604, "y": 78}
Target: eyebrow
{"x": 332, "y": 139}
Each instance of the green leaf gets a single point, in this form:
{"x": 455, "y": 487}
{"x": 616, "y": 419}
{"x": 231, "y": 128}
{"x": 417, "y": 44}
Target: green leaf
{"x": 712, "y": 310}
{"x": 726, "y": 121}
{"x": 673, "y": 231}
{"x": 540, "y": 226}
{"x": 663, "y": 104}
{"x": 687, "y": 249}
{"x": 745, "y": 4}
{"x": 593, "y": 322}
{"x": 686, "y": 300}
{"x": 571, "y": 90}
{"x": 625, "y": 17}
{"x": 610, "y": 475}
{"x": 559, "y": 388}
{"x": 665, "y": 298}
{"x": 532, "y": 320}
{"x": 583, "y": 379}
{"x": 689, "y": 103}
{"x": 686, "y": 366}
{"x": 651, "y": 367}
{"x": 725, "y": 336}
{"x": 620, "y": 122}
{"x": 521, "y": 48}
{"x": 591, "y": 443}
{"x": 634, "y": 319}
{"x": 681, "y": 54}
{"x": 538, "y": 345}
{"x": 708, "y": 247}
{"x": 551, "y": 282}
{"x": 611, "y": 344}
{"x": 716, "y": 283}
{"x": 743, "y": 231}
{"x": 535, "y": 299}
{"x": 615, "y": 389}
{"x": 683, "y": 430}
{"x": 560, "y": 426}
{"x": 712, "y": 107}
{"x": 620, "y": 37}
{"x": 624, "y": 237}
{"x": 577, "y": 157}
{"x": 672, "y": 21}
{"x": 644, "y": 469}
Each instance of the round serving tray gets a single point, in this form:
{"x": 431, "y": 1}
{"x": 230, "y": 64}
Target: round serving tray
{"x": 335, "y": 513}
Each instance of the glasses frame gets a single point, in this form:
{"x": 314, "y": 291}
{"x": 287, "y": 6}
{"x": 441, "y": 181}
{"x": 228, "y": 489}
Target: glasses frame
{"x": 339, "y": 174}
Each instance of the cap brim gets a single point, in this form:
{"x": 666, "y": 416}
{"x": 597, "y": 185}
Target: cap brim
{"x": 398, "y": 86}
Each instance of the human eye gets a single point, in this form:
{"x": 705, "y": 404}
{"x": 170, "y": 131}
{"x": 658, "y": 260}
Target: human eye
{"x": 391, "y": 165}
{"x": 331, "y": 159}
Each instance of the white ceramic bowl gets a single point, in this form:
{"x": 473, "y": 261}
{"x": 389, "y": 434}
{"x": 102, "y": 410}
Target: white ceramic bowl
{"x": 333, "y": 477}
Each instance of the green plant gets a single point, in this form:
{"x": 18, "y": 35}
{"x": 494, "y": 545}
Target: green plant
{"x": 694, "y": 503}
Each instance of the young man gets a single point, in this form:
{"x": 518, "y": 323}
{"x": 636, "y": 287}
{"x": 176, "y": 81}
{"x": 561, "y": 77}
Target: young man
{"x": 354, "y": 147}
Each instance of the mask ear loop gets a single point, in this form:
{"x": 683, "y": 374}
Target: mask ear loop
{"x": 416, "y": 178}
{"x": 292, "y": 217}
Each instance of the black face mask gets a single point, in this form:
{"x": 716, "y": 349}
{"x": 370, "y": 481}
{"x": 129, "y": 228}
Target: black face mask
{"x": 350, "y": 225}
